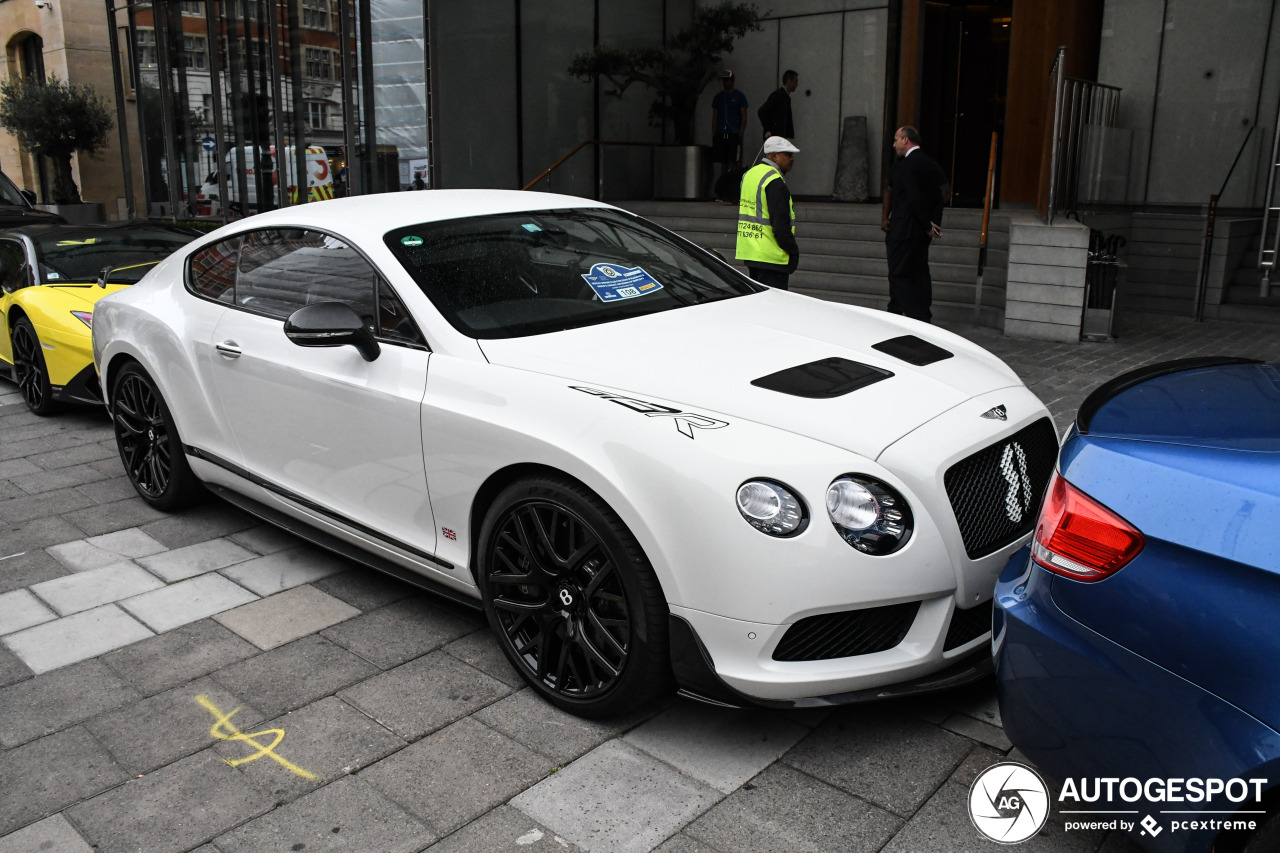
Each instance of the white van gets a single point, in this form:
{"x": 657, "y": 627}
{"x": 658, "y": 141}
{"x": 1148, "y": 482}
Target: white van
{"x": 319, "y": 179}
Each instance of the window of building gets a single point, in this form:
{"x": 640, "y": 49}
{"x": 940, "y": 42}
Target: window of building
{"x": 315, "y": 14}
{"x": 319, "y": 63}
{"x": 240, "y": 9}
{"x": 147, "y": 56}
{"x": 193, "y": 7}
{"x": 318, "y": 115}
{"x": 31, "y": 54}
{"x": 195, "y": 51}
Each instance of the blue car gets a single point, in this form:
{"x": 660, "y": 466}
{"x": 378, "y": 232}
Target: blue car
{"x": 1137, "y": 636}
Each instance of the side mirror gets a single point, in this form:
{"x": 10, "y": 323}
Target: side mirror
{"x": 28, "y": 195}
{"x": 103, "y": 274}
{"x": 331, "y": 324}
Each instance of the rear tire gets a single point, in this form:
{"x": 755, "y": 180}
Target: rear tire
{"x": 149, "y": 445}
{"x": 30, "y": 371}
{"x": 572, "y": 598}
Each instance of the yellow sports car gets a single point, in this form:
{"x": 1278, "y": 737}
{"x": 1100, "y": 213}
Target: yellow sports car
{"x": 51, "y": 276}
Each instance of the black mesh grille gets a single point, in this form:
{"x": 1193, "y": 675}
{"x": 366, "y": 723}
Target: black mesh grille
{"x": 996, "y": 492}
{"x": 848, "y": 633}
{"x": 968, "y": 625}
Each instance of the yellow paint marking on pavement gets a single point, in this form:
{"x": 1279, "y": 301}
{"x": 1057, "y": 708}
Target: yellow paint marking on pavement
{"x": 224, "y": 729}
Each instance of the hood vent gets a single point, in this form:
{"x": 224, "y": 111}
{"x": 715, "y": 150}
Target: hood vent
{"x": 821, "y": 380}
{"x": 913, "y": 350}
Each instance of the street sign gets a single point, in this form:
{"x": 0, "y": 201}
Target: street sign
{"x": 207, "y": 143}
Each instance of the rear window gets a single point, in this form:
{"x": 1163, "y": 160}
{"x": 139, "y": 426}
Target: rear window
{"x": 521, "y": 274}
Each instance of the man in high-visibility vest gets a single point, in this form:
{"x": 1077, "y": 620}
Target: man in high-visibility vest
{"x": 766, "y": 216}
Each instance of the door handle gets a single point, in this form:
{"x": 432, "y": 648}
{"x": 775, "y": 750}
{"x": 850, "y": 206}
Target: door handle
{"x": 228, "y": 349}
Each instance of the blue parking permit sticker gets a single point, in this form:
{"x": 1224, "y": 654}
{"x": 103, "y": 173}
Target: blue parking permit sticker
{"x": 529, "y": 226}
{"x": 612, "y": 282}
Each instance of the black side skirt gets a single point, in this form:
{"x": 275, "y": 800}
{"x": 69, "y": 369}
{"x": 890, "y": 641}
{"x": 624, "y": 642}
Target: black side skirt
{"x": 341, "y": 547}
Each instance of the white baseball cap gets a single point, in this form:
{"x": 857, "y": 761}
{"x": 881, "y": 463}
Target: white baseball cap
{"x": 774, "y": 144}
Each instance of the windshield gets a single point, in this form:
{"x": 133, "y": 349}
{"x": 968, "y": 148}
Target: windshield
{"x": 9, "y": 194}
{"x": 68, "y": 256}
{"x": 519, "y": 274}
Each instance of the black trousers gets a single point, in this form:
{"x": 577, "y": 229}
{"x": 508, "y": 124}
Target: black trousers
{"x": 910, "y": 286}
{"x": 771, "y": 277}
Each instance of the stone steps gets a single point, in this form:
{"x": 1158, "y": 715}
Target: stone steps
{"x": 843, "y": 253}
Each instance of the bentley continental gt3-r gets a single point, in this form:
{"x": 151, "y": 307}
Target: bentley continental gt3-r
{"x": 639, "y": 462}
{"x": 1137, "y": 636}
{"x": 51, "y": 277}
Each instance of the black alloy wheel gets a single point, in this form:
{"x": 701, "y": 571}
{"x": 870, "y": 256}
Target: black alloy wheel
{"x": 29, "y": 369}
{"x": 148, "y": 442}
{"x": 575, "y": 604}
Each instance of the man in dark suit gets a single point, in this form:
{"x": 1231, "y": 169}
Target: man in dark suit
{"x": 775, "y": 113}
{"x": 912, "y": 217}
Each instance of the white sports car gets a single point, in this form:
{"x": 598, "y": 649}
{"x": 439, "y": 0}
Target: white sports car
{"x": 643, "y": 465}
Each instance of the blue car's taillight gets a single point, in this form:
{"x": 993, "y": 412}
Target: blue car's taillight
{"x": 1079, "y": 538}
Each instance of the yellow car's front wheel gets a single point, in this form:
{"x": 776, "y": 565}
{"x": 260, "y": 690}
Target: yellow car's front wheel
{"x": 30, "y": 371}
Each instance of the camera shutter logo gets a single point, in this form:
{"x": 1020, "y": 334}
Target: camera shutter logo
{"x": 1009, "y": 803}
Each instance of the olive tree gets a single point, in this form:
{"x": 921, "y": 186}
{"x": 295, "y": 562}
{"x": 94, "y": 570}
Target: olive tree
{"x": 55, "y": 119}
{"x": 678, "y": 70}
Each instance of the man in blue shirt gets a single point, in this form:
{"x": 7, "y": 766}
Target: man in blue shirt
{"x": 729, "y": 114}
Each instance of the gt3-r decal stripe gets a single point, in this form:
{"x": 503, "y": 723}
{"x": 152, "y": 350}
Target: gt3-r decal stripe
{"x": 245, "y": 474}
{"x": 686, "y": 422}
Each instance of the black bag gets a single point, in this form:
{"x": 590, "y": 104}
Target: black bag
{"x": 729, "y": 185}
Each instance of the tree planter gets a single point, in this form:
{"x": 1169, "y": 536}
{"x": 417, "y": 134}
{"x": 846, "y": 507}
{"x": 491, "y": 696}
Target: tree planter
{"x": 86, "y": 213}
{"x": 681, "y": 171}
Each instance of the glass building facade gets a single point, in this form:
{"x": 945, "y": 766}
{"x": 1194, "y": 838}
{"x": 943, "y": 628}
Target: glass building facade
{"x": 235, "y": 98}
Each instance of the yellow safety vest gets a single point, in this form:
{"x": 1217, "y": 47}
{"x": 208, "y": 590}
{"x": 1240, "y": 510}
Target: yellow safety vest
{"x": 756, "y": 240}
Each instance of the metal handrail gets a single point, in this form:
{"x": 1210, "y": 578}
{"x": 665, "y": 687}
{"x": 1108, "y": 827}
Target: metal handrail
{"x": 986, "y": 222}
{"x": 1267, "y": 256}
{"x": 1059, "y": 83}
{"x": 557, "y": 164}
{"x": 1077, "y": 104}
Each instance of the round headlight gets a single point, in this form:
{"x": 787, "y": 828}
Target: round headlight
{"x": 851, "y": 505}
{"x": 868, "y": 514}
{"x": 770, "y": 507}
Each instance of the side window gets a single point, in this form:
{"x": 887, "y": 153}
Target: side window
{"x": 12, "y": 259}
{"x": 213, "y": 271}
{"x": 394, "y": 322}
{"x": 282, "y": 270}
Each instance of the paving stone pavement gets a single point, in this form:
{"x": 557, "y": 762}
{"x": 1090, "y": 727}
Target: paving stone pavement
{"x": 201, "y": 682}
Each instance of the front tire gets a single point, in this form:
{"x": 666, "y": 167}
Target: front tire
{"x": 149, "y": 445}
{"x": 572, "y": 598}
{"x": 30, "y": 371}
